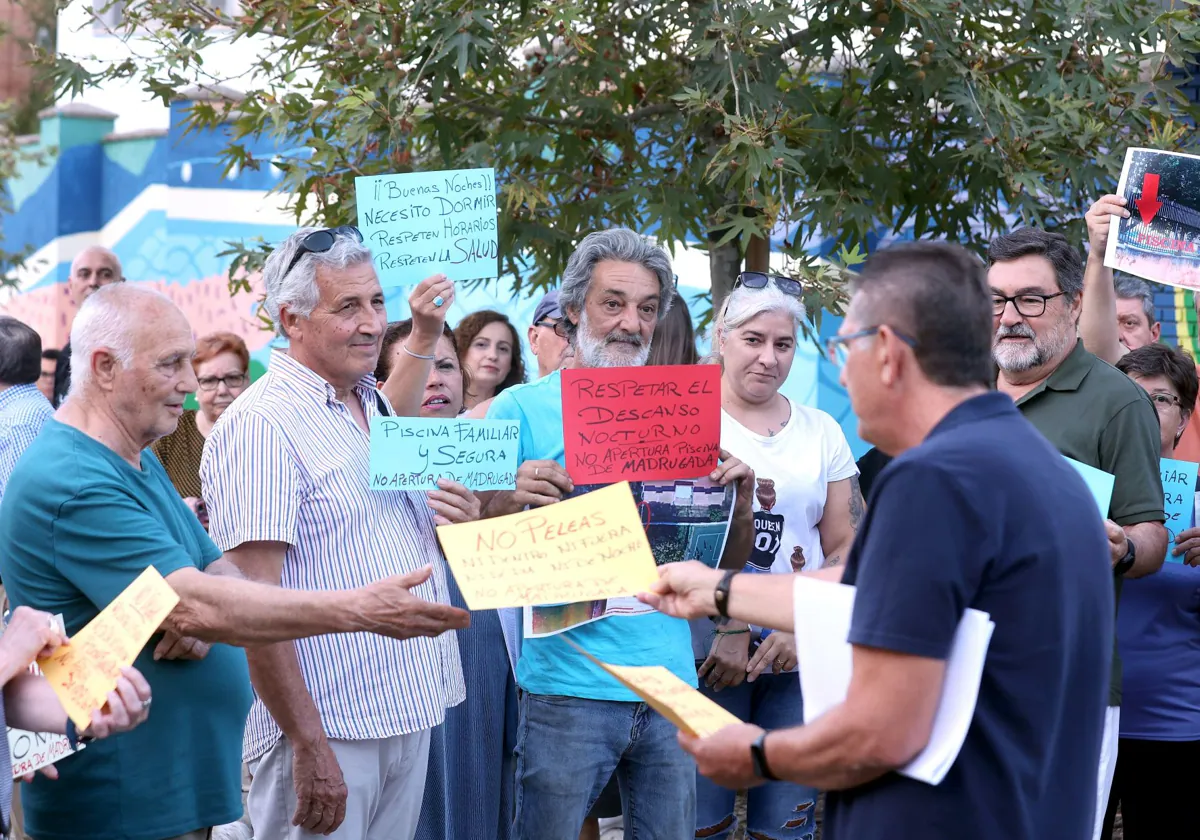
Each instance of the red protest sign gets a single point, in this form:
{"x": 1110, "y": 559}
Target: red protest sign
{"x": 641, "y": 423}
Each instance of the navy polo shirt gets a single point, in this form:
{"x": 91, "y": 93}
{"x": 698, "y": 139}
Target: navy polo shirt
{"x": 985, "y": 513}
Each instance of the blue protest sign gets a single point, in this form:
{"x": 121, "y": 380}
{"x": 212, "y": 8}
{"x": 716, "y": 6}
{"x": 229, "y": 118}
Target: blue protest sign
{"x": 412, "y": 453}
{"x": 1099, "y": 482}
{"x": 1179, "y": 495}
{"x": 425, "y": 223}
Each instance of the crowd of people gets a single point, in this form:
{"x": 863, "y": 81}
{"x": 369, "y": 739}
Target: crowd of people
{"x": 322, "y": 675}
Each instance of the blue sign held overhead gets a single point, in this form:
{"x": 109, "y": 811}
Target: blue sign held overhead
{"x": 425, "y": 223}
{"x": 412, "y": 453}
{"x": 1179, "y": 497}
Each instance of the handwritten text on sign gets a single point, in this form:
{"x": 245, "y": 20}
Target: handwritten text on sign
{"x": 641, "y": 423}
{"x": 83, "y": 672}
{"x": 1179, "y": 496}
{"x": 589, "y": 547}
{"x": 424, "y": 223}
{"x": 412, "y": 453}
{"x": 670, "y": 696}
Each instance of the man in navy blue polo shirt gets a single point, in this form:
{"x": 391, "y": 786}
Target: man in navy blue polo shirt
{"x": 977, "y": 510}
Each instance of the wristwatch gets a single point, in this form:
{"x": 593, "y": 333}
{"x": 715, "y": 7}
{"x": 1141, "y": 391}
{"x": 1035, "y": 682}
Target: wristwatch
{"x": 1126, "y": 562}
{"x": 758, "y": 756}
{"x": 721, "y": 593}
{"x": 74, "y": 739}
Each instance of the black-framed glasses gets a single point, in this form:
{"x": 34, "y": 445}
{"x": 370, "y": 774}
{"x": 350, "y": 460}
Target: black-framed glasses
{"x": 211, "y": 383}
{"x": 1164, "y": 400}
{"x": 320, "y": 241}
{"x": 560, "y": 329}
{"x": 837, "y": 348}
{"x": 760, "y": 280}
{"x": 1028, "y": 305}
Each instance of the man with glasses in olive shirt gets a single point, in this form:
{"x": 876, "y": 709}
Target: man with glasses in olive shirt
{"x": 1088, "y": 410}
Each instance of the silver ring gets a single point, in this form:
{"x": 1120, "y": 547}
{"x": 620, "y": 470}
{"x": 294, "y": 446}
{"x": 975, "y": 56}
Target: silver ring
{"x": 146, "y": 703}
{"x": 438, "y": 301}
{"x": 537, "y": 472}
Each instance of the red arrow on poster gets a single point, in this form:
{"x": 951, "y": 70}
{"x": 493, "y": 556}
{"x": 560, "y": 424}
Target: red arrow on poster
{"x": 1148, "y": 205}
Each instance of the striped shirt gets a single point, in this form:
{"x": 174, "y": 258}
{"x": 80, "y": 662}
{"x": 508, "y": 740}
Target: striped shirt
{"x": 23, "y": 412}
{"x": 287, "y": 463}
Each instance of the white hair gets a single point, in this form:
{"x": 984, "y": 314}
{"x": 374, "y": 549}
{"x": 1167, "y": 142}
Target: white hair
{"x": 744, "y": 305}
{"x": 297, "y": 289}
{"x": 108, "y": 320}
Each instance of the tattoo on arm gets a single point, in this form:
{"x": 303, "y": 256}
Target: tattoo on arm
{"x": 857, "y": 505}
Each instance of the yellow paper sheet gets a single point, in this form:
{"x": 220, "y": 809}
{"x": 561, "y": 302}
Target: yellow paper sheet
{"x": 83, "y": 672}
{"x": 670, "y": 696}
{"x": 589, "y": 547}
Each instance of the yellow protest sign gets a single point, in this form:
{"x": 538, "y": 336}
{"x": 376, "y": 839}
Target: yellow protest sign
{"x": 83, "y": 672}
{"x": 585, "y": 548}
{"x": 670, "y": 696}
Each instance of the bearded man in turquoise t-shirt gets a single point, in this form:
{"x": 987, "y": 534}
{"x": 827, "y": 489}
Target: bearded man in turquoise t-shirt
{"x": 577, "y": 724}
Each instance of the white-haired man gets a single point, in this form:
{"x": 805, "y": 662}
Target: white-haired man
{"x": 338, "y": 737}
{"x": 88, "y": 509}
{"x": 577, "y": 724}
{"x": 92, "y": 269}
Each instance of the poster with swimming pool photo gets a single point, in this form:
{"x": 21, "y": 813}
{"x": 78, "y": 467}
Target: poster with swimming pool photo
{"x": 1160, "y": 240}
{"x": 684, "y": 520}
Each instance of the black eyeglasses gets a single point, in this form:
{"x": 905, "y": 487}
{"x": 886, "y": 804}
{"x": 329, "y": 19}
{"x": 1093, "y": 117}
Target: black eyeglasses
{"x": 759, "y": 280}
{"x": 1028, "y": 305}
{"x": 211, "y": 383}
{"x": 560, "y": 329}
{"x": 837, "y": 348}
{"x": 320, "y": 241}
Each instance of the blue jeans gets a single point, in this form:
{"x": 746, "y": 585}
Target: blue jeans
{"x": 775, "y": 810}
{"x": 567, "y": 749}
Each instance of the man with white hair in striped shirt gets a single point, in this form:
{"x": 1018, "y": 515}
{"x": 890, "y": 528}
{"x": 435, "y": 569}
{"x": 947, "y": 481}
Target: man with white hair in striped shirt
{"x": 338, "y": 738}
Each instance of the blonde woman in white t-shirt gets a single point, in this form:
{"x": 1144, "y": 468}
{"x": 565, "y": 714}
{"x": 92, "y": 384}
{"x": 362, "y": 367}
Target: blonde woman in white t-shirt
{"x": 807, "y": 507}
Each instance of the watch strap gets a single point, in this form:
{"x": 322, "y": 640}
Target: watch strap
{"x": 758, "y": 757}
{"x": 1126, "y": 562}
{"x": 721, "y": 593}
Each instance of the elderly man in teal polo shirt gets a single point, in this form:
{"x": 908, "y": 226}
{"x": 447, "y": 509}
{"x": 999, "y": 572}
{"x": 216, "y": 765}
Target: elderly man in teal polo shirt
{"x": 86, "y": 511}
{"x": 1089, "y": 410}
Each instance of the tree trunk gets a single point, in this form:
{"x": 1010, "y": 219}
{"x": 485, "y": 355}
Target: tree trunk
{"x": 724, "y": 263}
{"x": 758, "y": 254}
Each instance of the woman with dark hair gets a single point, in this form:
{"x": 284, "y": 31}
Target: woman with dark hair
{"x": 1158, "y": 626}
{"x": 469, "y": 783}
{"x": 674, "y": 341}
{"x": 490, "y": 351}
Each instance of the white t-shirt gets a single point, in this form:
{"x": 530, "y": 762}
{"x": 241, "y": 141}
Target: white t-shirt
{"x": 792, "y": 473}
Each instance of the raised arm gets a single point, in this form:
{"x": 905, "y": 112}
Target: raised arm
{"x": 406, "y": 381}
{"x": 1098, "y": 316}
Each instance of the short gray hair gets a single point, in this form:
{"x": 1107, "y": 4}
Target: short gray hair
{"x": 1135, "y": 288}
{"x": 108, "y": 320}
{"x": 743, "y": 305}
{"x": 297, "y": 289}
{"x": 621, "y": 245}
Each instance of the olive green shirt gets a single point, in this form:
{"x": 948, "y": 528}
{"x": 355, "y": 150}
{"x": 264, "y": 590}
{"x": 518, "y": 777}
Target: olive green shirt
{"x": 1097, "y": 415}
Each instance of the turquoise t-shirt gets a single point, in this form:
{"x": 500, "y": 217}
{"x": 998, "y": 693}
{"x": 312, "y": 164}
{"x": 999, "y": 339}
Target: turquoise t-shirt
{"x": 549, "y": 665}
{"x": 77, "y": 525}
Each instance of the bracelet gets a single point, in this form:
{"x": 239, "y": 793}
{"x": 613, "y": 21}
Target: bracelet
{"x": 74, "y": 739}
{"x": 421, "y": 356}
{"x": 732, "y": 632}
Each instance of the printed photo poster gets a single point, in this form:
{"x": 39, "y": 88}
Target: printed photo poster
{"x": 1160, "y": 240}
{"x": 684, "y": 519}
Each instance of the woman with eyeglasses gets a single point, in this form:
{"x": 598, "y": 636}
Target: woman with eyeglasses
{"x": 806, "y": 508}
{"x": 1158, "y": 636}
{"x": 222, "y": 365}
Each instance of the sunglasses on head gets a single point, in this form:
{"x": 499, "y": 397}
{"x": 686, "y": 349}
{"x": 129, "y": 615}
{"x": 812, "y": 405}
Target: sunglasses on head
{"x": 759, "y": 280}
{"x": 320, "y": 241}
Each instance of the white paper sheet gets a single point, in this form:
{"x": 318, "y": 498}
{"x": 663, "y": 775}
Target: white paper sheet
{"x": 822, "y": 615}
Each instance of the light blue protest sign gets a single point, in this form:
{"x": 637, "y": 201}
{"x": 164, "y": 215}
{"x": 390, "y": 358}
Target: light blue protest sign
{"x": 1099, "y": 482}
{"x": 412, "y": 453}
{"x": 425, "y": 223}
{"x": 1179, "y": 499}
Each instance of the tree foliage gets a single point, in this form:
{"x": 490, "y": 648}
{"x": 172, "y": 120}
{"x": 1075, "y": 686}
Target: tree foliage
{"x": 718, "y": 121}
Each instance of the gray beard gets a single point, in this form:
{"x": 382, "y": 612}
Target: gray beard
{"x": 601, "y": 353}
{"x": 1013, "y": 359}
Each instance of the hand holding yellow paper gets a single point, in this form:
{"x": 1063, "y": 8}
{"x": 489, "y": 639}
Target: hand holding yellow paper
{"x": 585, "y": 548}
{"x": 670, "y": 696}
{"x": 83, "y": 672}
